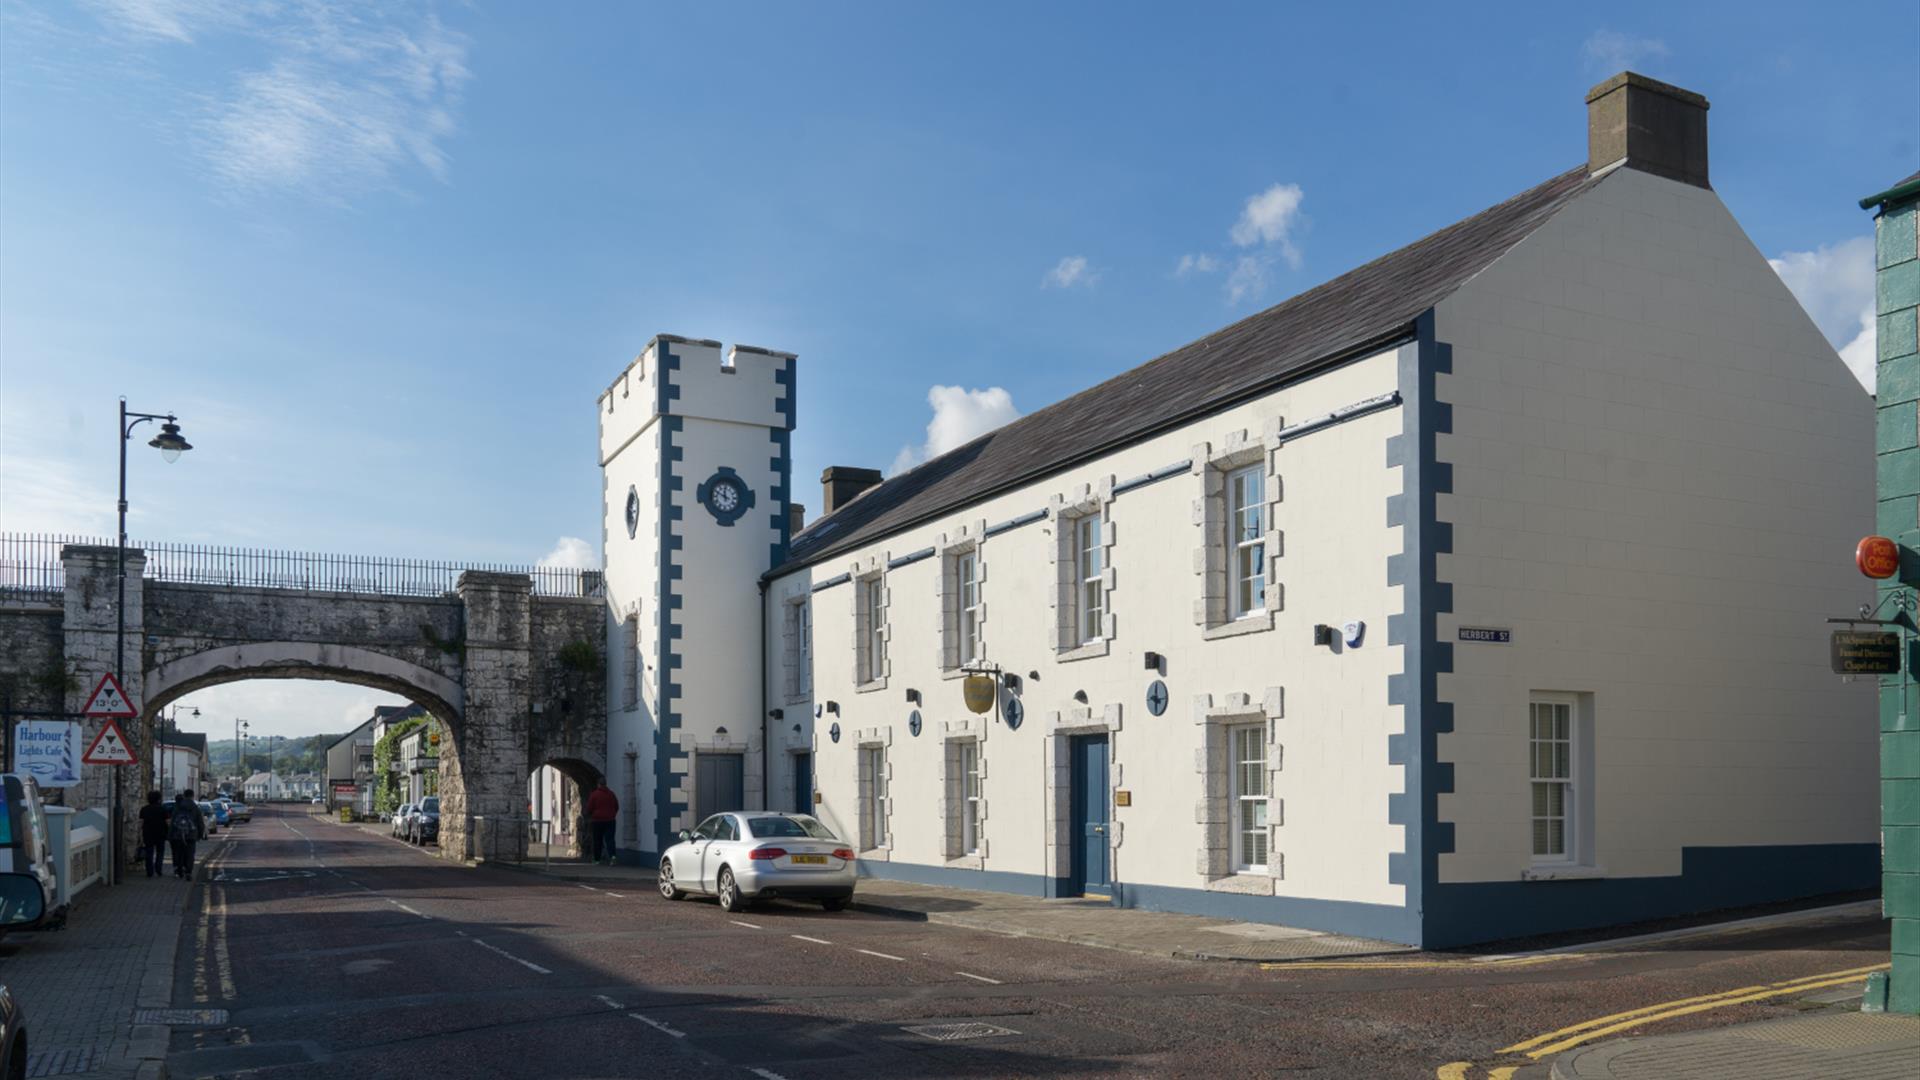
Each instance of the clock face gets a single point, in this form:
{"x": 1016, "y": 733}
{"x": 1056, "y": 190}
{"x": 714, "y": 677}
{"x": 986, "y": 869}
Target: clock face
{"x": 633, "y": 512}
{"x": 725, "y": 496}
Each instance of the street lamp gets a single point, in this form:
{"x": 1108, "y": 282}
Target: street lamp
{"x": 171, "y": 446}
{"x": 239, "y": 751}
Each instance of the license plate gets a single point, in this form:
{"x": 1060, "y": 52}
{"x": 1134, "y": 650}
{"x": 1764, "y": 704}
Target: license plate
{"x": 811, "y": 860}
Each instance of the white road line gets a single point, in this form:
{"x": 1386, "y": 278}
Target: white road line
{"x": 982, "y": 978}
{"x": 617, "y": 896}
{"x": 609, "y": 1002}
{"x": 815, "y": 940}
{"x": 881, "y": 955}
{"x": 405, "y": 908}
{"x": 748, "y": 925}
{"x": 528, "y": 964}
{"x": 589, "y": 888}
{"x": 673, "y": 1031}
{"x": 766, "y": 1074}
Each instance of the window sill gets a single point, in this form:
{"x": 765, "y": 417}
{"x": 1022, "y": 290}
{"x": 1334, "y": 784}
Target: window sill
{"x": 879, "y": 854}
{"x": 968, "y": 862}
{"x": 1564, "y": 872}
{"x": 871, "y": 686}
{"x": 1246, "y": 882}
{"x": 1087, "y": 651}
{"x": 1246, "y": 624}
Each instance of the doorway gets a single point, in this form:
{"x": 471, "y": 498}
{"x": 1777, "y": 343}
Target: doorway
{"x": 803, "y": 783}
{"x": 719, "y": 784}
{"x": 1092, "y": 802}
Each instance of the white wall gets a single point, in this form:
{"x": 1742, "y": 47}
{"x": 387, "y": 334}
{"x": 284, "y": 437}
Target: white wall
{"x": 1334, "y": 777}
{"x": 1660, "y": 470}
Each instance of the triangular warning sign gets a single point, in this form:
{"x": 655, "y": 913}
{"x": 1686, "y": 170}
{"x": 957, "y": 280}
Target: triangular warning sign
{"x": 109, "y": 700}
{"x": 109, "y": 747}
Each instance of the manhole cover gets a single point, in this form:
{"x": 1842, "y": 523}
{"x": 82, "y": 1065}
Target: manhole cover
{"x": 956, "y": 1032}
{"x": 181, "y": 1017}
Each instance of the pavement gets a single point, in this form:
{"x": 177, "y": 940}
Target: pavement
{"x": 1835, "y": 1045}
{"x": 83, "y": 988}
{"x": 1093, "y": 923}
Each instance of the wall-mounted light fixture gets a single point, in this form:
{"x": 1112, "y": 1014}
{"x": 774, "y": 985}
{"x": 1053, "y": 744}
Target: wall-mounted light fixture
{"x": 1154, "y": 660}
{"x": 833, "y": 707}
{"x": 1322, "y": 634}
{"x": 778, "y": 714}
{"x": 721, "y": 730}
{"x": 1033, "y": 675}
{"x": 1011, "y": 681}
{"x": 1080, "y": 696}
{"x": 913, "y": 696}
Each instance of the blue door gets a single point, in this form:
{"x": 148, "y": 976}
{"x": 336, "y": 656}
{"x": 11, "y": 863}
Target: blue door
{"x": 803, "y": 783}
{"x": 1092, "y": 810}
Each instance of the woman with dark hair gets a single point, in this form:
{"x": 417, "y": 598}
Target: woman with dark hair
{"x": 154, "y": 819}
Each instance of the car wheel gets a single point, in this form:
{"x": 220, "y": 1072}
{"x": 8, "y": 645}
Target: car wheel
{"x": 730, "y": 898}
{"x": 667, "y": 888}
{"x": 834, "y": 903}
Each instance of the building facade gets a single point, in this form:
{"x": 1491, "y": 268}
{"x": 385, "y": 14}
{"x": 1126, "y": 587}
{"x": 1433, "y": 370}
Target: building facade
{"x": 1476, "y": 593}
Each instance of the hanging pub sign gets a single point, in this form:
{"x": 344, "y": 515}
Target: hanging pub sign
{"x": 1866, "y": 652}
{"x": 979, "y": 691}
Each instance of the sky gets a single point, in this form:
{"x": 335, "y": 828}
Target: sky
{"x": 381, "y": 259}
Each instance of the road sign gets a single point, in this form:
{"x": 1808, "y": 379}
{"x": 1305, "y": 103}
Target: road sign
{"x": 109, "y": 747}
{"x": 110, "y": 701}
{"x": 1866, "y": 652}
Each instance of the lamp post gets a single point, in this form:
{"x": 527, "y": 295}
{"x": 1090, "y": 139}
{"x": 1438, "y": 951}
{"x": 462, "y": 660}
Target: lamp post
{"x": 239, "y": 751}
{"x": 171, "y": 446}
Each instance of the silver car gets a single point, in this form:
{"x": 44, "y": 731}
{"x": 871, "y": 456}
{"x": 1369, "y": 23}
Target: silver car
{"x": 749, "y": 855}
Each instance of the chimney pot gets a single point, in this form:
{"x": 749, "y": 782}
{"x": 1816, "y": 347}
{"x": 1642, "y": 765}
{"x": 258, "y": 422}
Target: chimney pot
{"x": 1648, "y": 125}
{"x": 796, "y": 518}
{"x": 840, "y": 483}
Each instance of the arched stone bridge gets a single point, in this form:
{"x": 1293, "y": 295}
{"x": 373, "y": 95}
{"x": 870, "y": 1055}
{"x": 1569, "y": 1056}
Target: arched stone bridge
{"x": 516, "y": 678}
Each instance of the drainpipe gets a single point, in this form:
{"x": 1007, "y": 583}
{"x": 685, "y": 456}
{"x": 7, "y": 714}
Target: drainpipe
{"x": 766, "y": 721}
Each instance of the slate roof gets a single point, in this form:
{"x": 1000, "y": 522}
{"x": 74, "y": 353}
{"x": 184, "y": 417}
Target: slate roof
{"x": 186, "y": 740}
{"x": 1359, "y": 311}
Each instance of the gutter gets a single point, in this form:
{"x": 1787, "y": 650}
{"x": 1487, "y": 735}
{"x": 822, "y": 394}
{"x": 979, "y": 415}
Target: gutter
{"x": 1903, "y": 189}
{"x": 766, "y": 719}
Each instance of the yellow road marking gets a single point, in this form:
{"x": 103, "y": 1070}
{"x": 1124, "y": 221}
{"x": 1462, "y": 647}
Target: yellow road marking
{"x": 1454, "y": 1071}
{"x": 1576, "y": 1034}
{"x": 1504, "y": 1072}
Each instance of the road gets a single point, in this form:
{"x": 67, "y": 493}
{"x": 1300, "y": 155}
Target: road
{"x": 333, "y": 949}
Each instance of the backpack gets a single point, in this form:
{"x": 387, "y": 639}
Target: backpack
{"x": 185, "y": 826}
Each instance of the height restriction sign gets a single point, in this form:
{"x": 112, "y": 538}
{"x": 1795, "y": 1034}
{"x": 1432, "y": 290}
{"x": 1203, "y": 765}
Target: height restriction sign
{"x": 109, "y": 747}
{"x": 110, "y": 701}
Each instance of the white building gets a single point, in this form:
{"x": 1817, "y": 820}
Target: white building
{"x": 180, "y": 762}
{"x": 1478, "y": 592}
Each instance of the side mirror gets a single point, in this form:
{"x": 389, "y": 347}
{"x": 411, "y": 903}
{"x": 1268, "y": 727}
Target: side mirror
{"x": 22, "y": 901}
{"x": 686, "y": 834}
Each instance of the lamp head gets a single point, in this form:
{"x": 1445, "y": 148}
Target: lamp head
{"x": 169, "y": 442}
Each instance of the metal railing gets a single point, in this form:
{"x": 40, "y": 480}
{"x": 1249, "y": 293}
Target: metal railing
{"x": 30, "y": 570}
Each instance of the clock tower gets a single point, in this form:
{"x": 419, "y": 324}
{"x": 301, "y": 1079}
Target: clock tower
{"x": 696, "y": 471}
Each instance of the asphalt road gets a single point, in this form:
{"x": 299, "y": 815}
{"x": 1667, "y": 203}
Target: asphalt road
{"x": 338, "y": 952}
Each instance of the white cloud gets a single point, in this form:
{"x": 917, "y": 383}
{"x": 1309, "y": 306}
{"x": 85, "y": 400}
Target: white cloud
{"x": 1268, "y": 220}
{"x": 1196, "y": 264}
{"x": 1250, "y": 277}
{"x": 959, "y": 417}
{"x": 1610, "y": 51}
{"x": 344, "y": 99}
{"x": 1835, "y": 284}
{"x": 570, "y": 553}
{"x": 1070, "y": 272}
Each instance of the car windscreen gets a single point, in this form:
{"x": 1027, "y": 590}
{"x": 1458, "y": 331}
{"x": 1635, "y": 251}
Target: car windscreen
{"x": 431, "y": 806}
{"x": 786, "y": 826}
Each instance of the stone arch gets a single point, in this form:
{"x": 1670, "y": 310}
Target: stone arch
{"x": 440, "y": 695}
{"x": 583, "y": 776}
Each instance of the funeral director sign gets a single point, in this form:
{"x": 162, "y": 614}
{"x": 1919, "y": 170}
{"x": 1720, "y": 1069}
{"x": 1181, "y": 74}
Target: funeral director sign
{"x": 1866, "y": 652}
{"x": 49, "y": 751}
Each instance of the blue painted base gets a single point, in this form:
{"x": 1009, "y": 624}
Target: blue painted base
{"x": 1709, "y": 879}
{"x": 632, "y": 857}
{"x": 951, "y": 878}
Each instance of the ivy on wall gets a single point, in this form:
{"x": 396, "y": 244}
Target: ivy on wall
{"x": 386, "y": 781}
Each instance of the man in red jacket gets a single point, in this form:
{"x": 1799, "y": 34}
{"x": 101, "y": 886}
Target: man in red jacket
{"x": 602, "y": 809}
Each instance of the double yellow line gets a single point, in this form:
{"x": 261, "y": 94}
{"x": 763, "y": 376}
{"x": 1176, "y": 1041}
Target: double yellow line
{"x": 1553, "y": 1042}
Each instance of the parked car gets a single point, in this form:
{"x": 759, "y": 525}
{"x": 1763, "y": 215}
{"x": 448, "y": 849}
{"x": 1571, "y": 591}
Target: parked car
{"x": 26, "y": 849}
{"x": 424, "y": 823}
{"x": 400, "y": 818}
{"x": 13, "y": 1037}
{"x": 215, "y": 812}
{"x": 239, "y": 811}
{"x": 746, "y": 856}
{"x": 318, "y": 801}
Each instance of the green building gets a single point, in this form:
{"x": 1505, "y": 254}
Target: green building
{"x": 1898, "y": 415}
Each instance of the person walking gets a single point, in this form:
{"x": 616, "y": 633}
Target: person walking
{"x": 186, "y": 827}
{"x": 602, "y": 808}
{"x": 154, "y": 819}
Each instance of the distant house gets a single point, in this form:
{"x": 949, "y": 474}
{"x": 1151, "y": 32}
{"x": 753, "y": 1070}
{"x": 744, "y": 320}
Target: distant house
{"x": 180, "y": 761}
{"x": 261, "y": 787}
{"x": 350, "y": 769}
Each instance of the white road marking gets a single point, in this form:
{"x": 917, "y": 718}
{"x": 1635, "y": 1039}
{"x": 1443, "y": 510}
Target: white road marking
{"x": 881, "y": 955}
{"x": 617, "y": 896}
{"x": 609, "y": 1002}
{"x": 405, "y": 908}
{"x": 748, "y": 925}
{"x": 528, "y": 964}
{"x": 673, "y": 1031}
{"x": 766, "y": 1074}
{"x": 982, "y": 978}
{"x": 815, "y": 940}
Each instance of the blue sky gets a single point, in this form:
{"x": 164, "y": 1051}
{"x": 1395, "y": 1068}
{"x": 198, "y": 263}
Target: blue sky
{"x": 381, "y": 259}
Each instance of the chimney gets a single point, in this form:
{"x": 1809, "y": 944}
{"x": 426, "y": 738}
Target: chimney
{"x": 843, "y": 482}
{"x": 796, "y": 518}
{"x": 1648, "y": 125}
